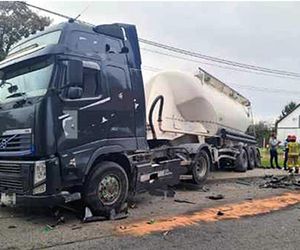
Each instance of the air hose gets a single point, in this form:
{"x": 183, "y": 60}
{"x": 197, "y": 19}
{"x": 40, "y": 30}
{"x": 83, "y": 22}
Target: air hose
{"x": 150, "y": 116}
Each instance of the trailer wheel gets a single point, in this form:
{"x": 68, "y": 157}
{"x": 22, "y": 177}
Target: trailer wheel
{"x": 257, "y": 157}
{"x": 106, "y": 188}
{"x": 241, "y": 163}
{"x": 201, "y": 168}
{"x": 251, "y": 155}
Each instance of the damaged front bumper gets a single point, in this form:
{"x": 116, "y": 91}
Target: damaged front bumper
{"x": 12, "y": 200}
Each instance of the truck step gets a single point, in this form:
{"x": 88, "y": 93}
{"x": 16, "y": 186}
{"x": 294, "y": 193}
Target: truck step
{"x": 185, "y": 163}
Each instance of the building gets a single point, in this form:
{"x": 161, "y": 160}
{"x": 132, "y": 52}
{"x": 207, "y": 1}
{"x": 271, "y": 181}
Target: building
{"x": 289, "y": 125}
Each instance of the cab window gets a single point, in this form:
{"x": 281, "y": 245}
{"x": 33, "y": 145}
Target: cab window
{"x": 93, "y": 84}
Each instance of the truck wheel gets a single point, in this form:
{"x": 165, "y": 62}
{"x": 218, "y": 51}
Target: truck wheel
{"x": 241, "y": 162}
{"x": 251, "y": 155}
{"x": 106, "y": 188}
{"x": 201, "y": 168}
{"x": 257, "y": 157}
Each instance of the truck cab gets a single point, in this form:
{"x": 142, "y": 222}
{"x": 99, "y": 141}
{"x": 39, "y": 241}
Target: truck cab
{"x": 72, "y": 119}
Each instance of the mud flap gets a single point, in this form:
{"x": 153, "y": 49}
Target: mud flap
{"x": 158, "y": 176}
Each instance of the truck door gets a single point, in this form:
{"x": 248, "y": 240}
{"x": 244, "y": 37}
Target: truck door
{"x": 122, "y": 124}
{"x": 83, "y": 122}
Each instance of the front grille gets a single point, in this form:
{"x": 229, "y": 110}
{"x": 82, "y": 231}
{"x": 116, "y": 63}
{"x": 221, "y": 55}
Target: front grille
{"x": 12, "y": 185}
{"x": 15, "y": 143}
{"x": 10, "y": 168}
{"x": 14, "y": 176}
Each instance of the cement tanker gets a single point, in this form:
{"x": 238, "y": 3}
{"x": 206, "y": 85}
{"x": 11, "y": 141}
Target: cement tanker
{"x": 193, "y": 110}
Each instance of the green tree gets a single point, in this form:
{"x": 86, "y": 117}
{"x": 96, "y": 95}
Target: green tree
{"x": 288, "y": 109}
{"x": 261, "y": 131}
{"x": 17, "y": 21}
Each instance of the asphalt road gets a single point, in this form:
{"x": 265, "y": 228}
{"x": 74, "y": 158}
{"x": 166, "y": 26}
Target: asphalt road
{"x": 21, "y": 229}
{"x": 278, "y": 230}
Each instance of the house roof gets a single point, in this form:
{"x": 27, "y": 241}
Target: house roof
{"x": 282, "y": 118}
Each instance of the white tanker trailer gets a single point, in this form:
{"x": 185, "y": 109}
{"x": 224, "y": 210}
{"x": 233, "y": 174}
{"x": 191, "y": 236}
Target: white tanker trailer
{"x": 204, "y": 116}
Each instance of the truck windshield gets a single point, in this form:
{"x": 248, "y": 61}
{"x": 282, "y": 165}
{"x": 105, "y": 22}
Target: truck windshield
{"x": 28, "y": 80}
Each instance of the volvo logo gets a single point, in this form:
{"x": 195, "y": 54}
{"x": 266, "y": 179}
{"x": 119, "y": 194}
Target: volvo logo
{"x": 3, "y": 143}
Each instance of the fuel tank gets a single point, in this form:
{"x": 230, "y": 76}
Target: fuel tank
{"x": 195, "y": 104}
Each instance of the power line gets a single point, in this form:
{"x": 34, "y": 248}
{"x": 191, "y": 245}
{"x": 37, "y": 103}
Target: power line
{"x": 218, "y": 60}
{"x": 193, "y": 54}
{"x": 190, "y": 53}
{"x": 56, "y": 13}
{"x": 242, "y": 86}
{"x": 272, "y": 90}
{"x": 216, "y": 65}
{"x": 49, "y": 11}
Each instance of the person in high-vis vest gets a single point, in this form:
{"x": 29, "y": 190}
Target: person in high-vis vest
{"x": 293, "y": 155}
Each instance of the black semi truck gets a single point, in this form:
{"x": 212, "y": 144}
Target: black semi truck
{"x": 73, "y": 122}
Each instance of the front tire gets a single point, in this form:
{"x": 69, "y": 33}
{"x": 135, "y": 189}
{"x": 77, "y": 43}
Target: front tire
{"x": 201, "y": 168}
{"x": 106, "y": 188}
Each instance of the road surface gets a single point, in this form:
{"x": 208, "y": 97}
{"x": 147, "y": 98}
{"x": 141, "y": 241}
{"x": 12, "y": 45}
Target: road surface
{"x": 278, "y": 230}
{"x": 250, "y": 218}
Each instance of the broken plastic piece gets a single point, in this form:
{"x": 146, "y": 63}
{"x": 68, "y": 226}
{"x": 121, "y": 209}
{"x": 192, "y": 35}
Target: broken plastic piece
{"x": 216, "y": 197}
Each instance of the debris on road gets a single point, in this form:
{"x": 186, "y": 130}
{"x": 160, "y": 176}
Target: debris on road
{"x": 111, "y": 215}
{"x": 150, "y": 222}
{"x": 76, "y": 228}
{"x": 216, "y": 197}
{"x": 242, "y": 182}
{"x": 60, "y": 220}
{"x": 184, "y": 201}
{"x": 288, "y": 182}
{"x": 132, "y": 205}
{"x": 123, "y": 227}
{"x": 11, "y": 227}
{"x": 166, "y": 233}
{"x": 220, "y": 213}
{"x": 205, "y": 189}
{"x": 267, "y": 176}
{"x": 48, "y": 228}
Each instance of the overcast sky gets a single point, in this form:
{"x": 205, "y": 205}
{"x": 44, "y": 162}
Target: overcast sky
{"x": 259, "y": 33}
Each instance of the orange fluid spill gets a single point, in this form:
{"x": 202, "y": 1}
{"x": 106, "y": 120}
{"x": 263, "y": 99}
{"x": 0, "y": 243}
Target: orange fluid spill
{"x": 231, "y": 211}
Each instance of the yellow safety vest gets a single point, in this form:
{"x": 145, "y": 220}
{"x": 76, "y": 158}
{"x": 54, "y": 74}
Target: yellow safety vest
{"x": 294, "y": 148}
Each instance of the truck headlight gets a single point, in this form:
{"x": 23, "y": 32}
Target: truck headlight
{"x": 39, "y": 172}
{"x": 40, "y": 189}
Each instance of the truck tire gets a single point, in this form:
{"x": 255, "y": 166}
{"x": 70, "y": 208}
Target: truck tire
{"x": 241, "y": 162}
{"x": 201, "y": 168}
{"x": 106, "y": 188}
{"x": 257, "y": 157}
{"x": 251, "y": 158}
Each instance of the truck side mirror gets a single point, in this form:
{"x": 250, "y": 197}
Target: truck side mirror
{"x": 75, "y": 73}
{"x": 74, "y": 92}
